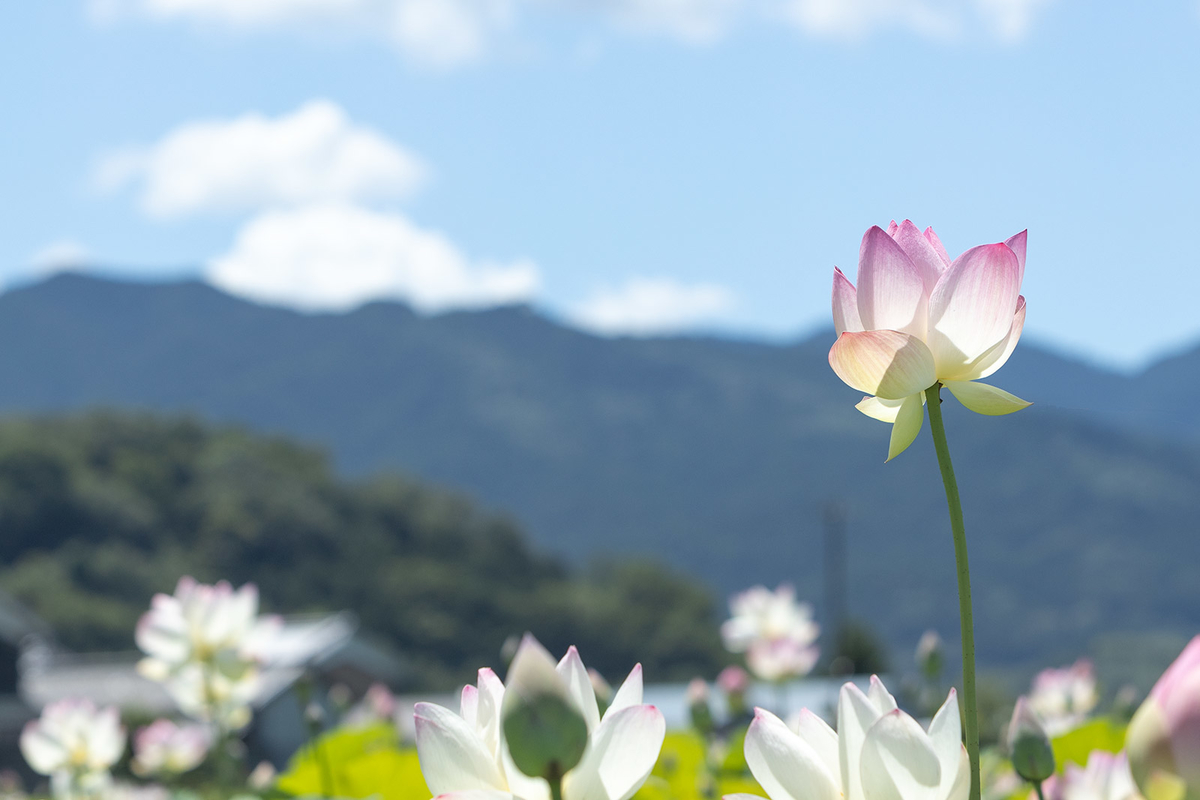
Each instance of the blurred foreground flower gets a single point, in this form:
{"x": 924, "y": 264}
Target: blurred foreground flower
{"x": 878, "y": 752}
{"x": 917, "y": 319}
{"x": 204, "y": 642}
{"x": 776, "y": 633}
{"x": 1163, "y": 739}
{"x": 1106, "y": 777}
{"x": 1063, "y": 698}
{"x": 76, "y": 745}
{"x": 467, "y": 755}
{"x": 164, "y": 748}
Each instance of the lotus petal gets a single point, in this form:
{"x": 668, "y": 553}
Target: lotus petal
{"x": 891, "y": 293}
{"x": 888, "y": 364}
{"x": 845, "y": 304}
{"x": 857, "y": 713}
{"x": 1017, "y": 245}
{"x": 898, "y": 761}
{"x": 882, "y": 410}
{"x": 817, "y": 734}
{"x": 579, "y": 685}
{"x": 908, "y": 424}
{"x": 452, "y": 756}
{"x": 984, "y": 399}
{"x": 938, "y": 247}
{"x": 630, "y": 693}
{"x": 785, "y": 765}
{"x": 620, "y": 755}
{"x": 927, "y": 260}
{"x": 972, "y": 308}
{"x": 996, "y": 358}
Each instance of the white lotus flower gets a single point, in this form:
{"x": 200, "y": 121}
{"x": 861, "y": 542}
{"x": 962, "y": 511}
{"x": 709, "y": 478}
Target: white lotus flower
{"x": 776, "y": 633}
{"x": 878, "y": 753}
{"x": 76, "y": 745}
{"x": 204, "y": 642}
{"x": 464, "y": 756}
{"x": 166, "y": 748}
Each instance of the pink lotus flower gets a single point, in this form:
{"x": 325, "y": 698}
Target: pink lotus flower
{"x": 1163, "y": 739}
{"x": 1106, "y": 777}
{"x": 163, "y": 747}
{"x": 917, "y": 318}
{"x": 1063, "y": 698}
{"x": 776, "y": 633}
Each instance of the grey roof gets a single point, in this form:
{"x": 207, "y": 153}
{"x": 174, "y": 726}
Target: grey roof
{"x": 320, "y": 642}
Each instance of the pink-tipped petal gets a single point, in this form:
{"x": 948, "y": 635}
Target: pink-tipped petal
{"x": 888, "y": 364}
{"x": 908, "y": 424}
{"x": 892, "y": 228}
{"x": 845, "y": 304}
{"x": 1017, "y": 245}
{"x": 891, "y": 293}
{"x": 784, "y": 765}
{"x": 452, "y": 756}
{"x": 938, "y": 247}
{"x": 619, "y": 757}
{"x": 972, "y": 308}
{"x": 630, "y": 693}
{"x": 921, "y": 251}
{"x": 998, "y": 356}
{"x": 579, "y": 685}
{"x": 984, "y": 399}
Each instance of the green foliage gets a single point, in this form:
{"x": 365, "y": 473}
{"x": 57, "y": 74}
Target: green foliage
{"x": 368, "y": 761}
{"x": 363, "y": 762}
{"x": 99, "y": 512}
{"x": 1075, "y": 746}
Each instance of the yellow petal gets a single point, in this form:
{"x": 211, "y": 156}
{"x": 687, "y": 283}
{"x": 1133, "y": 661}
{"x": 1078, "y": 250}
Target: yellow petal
{"x": 889, "y": 364}
{"x": 984, "y": 399}
{"x": 908, "y": 424}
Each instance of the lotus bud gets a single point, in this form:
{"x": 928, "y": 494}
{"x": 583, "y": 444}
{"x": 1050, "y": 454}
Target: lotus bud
{"x": 1032, "y": 756}
{"x": 545, "y": 731}
{"x": 1163, "y": 739}
{"x": 698, "y": 708}
{"x": 734, "y": 682}
{"x": 929, "y": 655}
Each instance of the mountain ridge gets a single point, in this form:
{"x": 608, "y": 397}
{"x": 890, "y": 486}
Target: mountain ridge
{"x": 714, "y": 455}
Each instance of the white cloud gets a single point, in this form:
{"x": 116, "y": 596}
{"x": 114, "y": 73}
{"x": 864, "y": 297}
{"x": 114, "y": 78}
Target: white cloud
{"x": 1010, "y": 19}
{"x": 60, "y": 256}
{"x": 698, "y": 21}
{"x": 439, "y": 33}
{"x": 848, "y": 19}
{"x": 315, "y": 154}
{"x": 653, "y": 305}
{"x": 334, "y": 257}
{"x": 447, "y": 33}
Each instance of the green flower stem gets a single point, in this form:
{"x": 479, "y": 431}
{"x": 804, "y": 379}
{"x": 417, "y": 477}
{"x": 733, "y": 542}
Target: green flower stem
{"x": 555, "y": 780}
{"x": 970, "y": 707}
{"x": 1040, "y": 792}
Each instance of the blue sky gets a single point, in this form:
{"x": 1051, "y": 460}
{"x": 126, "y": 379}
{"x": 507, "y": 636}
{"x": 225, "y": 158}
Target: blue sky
{"x": 633, "y": 165}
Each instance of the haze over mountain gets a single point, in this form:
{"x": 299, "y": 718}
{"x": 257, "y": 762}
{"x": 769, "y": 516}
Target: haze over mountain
{"x": 715, "y": 456}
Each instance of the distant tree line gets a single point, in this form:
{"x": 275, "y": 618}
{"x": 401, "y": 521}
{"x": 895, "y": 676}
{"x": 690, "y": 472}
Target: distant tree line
{"x": 98, "y": 512}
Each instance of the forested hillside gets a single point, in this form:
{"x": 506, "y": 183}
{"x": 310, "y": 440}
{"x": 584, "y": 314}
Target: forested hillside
{"x": 713, "y": 456}
{"x": 99, "y": 512}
